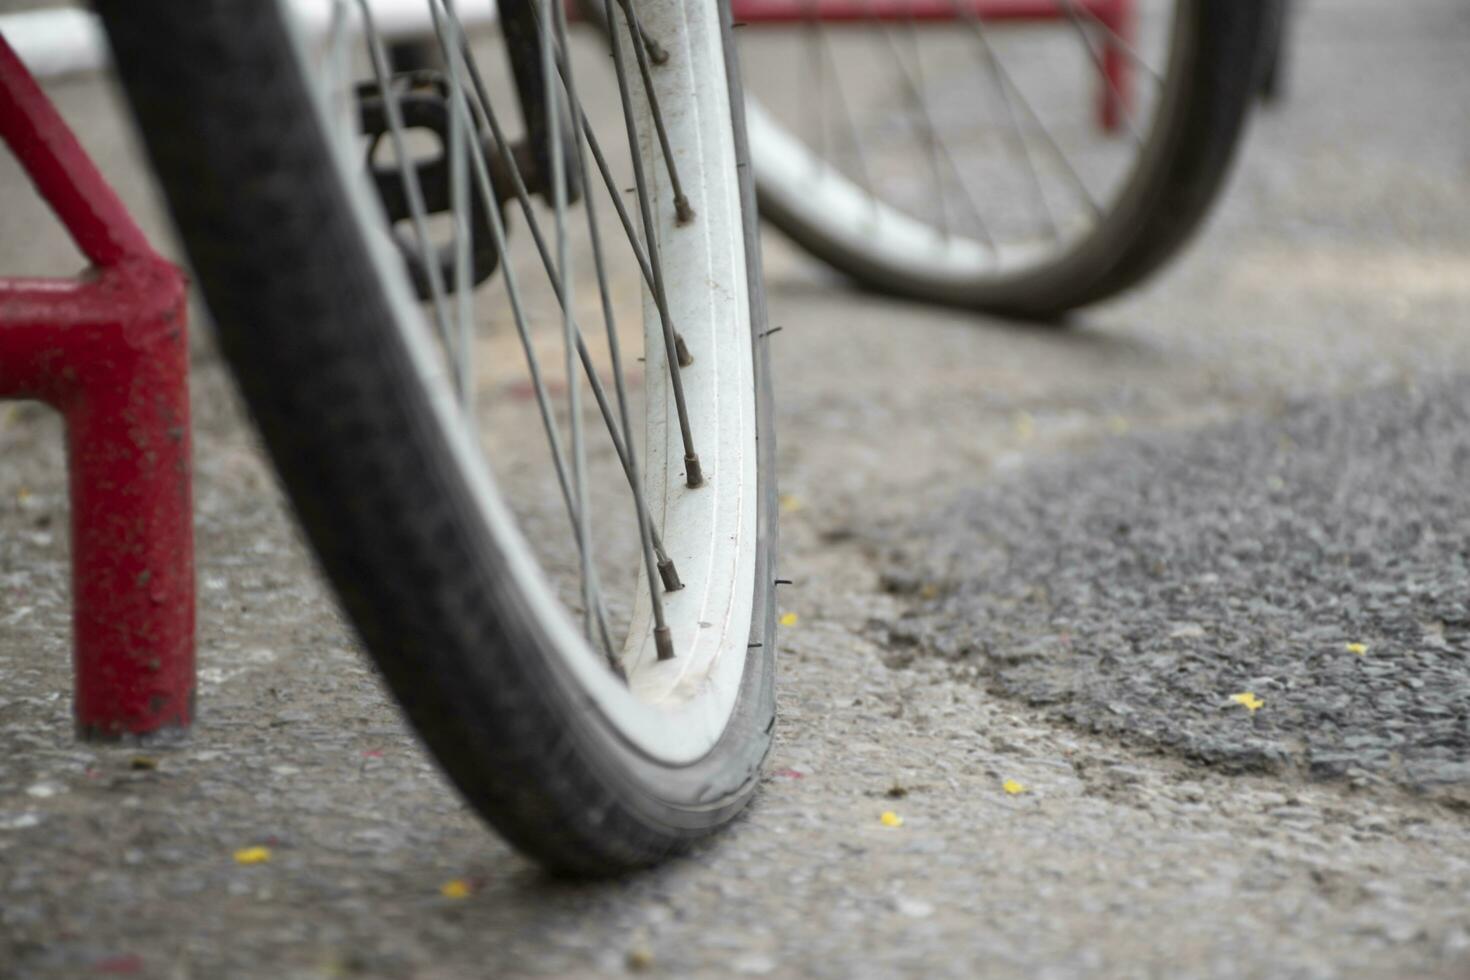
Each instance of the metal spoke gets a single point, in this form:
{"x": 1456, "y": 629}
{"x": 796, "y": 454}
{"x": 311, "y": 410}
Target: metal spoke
{"x": 693, "y": 475}
{"x": 663, "y": 640}
{"x": 523, "y": 197}
{"x": 997, "y": 76}
{"x": 411, "y": 188}
{"x": 571, "y": 338}
{"x": 685, "y": 360}
{"x": 1008, "y": 81}
{"x": 451, "y": 35}
{"x": 682, "y": 210}
{"x": 914, "y": 91}
{"x": 667, "y": 571}
{"x": 939, "y": 149}
{"x": 814, "y": 101}
{"x": 1097, "y": 62}
{"x": 1117, "y": 40}
{"x": 824, "y": 52}
{"x": 338, "y": 66}
{"x": 459, "y": 197}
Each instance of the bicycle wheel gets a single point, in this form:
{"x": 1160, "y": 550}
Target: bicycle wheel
{"x": 964, "y": 152}
{"x": 574, "y": 611}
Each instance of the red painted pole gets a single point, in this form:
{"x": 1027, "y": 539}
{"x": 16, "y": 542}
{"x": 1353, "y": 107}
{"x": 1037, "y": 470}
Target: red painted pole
{"x": 1116, "y": 96}
{"x": 839, "y": 11}
{"x": 1115, "y": 85}
{"x": 110, "y": 352}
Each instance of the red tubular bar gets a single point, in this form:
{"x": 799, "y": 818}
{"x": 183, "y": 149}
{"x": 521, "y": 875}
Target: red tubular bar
{"x": 1116, "y": 15}
{"x": 1115, "y": 96}
{"x": 836, "y": 11}
{"x": 110, "y": 352}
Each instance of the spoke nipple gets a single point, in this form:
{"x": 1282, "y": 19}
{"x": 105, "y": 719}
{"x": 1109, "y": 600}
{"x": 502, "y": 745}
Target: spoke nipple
{"x": 663, "y": 642}
{"x": 682, "y": 210}
{"x": 681, "y": 351}
{"x": 670, "y": 575}
{"x": 693, "y": 473}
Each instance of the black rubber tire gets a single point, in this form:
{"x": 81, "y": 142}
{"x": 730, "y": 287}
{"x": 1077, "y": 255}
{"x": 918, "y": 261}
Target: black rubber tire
{"x": 307, "y": 329}
{"x": 1276, "y": 75}
{"x": 1180, "y": 172}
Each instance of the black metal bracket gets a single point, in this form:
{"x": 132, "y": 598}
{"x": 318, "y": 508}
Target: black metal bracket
{"x": 423, "y": 101}
{"x": 522, "y": 30}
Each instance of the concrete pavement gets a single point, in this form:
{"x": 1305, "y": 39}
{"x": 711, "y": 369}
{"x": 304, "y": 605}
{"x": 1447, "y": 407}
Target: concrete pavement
{"x": 1059, "y": 817}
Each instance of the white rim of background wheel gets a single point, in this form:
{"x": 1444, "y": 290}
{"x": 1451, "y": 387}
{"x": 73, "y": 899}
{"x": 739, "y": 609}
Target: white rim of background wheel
{"x": 797, "y": 180}
{"x": 674, "y": 710}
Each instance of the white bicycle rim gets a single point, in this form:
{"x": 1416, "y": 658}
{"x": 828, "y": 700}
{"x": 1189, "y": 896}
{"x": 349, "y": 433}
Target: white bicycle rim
{"x": 674, "y": 711}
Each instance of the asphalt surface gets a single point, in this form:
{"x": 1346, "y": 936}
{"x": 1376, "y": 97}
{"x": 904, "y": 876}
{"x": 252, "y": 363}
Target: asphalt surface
{"x": 1285, "y": 595}
{"x": 980, "y": 648}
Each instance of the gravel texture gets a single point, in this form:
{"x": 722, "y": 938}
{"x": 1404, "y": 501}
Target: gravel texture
{"x": 1316, "y": 561}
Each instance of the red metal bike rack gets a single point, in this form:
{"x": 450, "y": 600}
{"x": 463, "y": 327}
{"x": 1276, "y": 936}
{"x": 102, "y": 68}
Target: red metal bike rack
{"x": 1115, "y": 15}
{"x": 109, "y": 351}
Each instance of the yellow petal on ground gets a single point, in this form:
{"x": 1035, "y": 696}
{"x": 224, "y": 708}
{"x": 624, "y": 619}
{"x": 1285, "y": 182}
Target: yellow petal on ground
{"x": 891, "y": 819}
{"x": 1359, "y": 648}
{"x": 788, "y": 619}
{"x": 455, "y": 888}
{"x": 252, "y": 855}
{"x": 1012, "y": 787}
{"x": 790, "y": 503}
{"x": 639, "y": 959}
{"x": 1249, "y": 700}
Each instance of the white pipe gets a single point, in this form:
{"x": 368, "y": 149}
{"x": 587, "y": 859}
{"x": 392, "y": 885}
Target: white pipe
{"x": 56, "y": 42}
{"x": 395, "y": 18}
{"x": 64, "y": 41}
